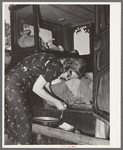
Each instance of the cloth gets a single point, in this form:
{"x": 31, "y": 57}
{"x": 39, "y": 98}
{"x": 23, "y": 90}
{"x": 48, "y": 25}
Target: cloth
{"x": 62, "y": 91}
{"x": 74, "y": 91}
{"x": 101, "y": 129}
{"x": 73, "y": 85}
{"x": 18, "y": 82}
{"x": 84, "y": 93}
{"x": 27, "y": 40}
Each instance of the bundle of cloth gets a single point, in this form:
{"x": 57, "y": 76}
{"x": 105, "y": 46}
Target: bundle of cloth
{"x": 27, "y": 40}
{"x": 74, "y": 91}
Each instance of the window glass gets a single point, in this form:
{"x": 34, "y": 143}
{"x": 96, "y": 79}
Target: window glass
{"x": 25, "y": 27}
{"x": 82, "y": 41}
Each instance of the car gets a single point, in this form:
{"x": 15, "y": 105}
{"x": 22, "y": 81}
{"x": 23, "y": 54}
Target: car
{"x": 62, "y": 25}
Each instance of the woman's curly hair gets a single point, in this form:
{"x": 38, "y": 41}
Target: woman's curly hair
{"x": 77, "y": 65}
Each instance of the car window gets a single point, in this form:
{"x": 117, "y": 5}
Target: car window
{"x": 25, "y": 27}
{"x": 25, "y": 36}
{"x": 82, "y": 41}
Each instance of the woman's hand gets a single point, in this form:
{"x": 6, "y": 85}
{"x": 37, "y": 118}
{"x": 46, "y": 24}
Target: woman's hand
{"x": 60, "y": 105}
{"x": 38, "y": 88}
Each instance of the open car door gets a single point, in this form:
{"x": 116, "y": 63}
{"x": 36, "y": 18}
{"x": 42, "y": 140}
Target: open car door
{"x": 101, "y": 92}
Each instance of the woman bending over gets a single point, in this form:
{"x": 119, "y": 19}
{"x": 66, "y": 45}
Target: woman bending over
{"x": 34, "y": 73}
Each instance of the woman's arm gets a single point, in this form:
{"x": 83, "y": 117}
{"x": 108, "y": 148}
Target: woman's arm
{"x": 38, "y": 88}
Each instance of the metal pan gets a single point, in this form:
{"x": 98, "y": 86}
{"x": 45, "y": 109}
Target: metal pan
{"x": 47, "y": 121}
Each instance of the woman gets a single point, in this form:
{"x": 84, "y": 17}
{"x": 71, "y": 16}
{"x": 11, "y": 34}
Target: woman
{"x": 34, "y": 73}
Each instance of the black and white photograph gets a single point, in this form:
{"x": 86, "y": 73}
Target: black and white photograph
{"x": 57, "y": 75}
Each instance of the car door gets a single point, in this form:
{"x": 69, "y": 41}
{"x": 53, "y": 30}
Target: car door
{"x": 101, "y": 91}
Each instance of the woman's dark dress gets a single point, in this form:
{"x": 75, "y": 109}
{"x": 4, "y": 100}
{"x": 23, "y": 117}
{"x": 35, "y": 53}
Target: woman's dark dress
{"x": 17, "y": 82}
